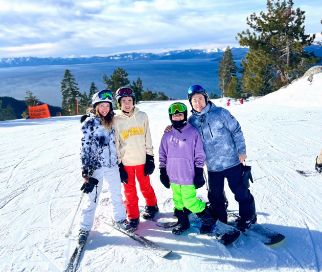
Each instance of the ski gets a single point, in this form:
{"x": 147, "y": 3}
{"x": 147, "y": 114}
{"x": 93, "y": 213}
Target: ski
{"x": 75, "y": 259}
{"x": 266, "y": 235}
{"x": 152, "y": 246}
{"x": 307, "y": 173}
{"x": 167, "y": 225}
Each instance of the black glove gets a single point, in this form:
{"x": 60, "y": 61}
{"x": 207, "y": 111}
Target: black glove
{"x": 149, "y": 165}
{"x": 164, "y": 178}
{"x": 123, "y": 174}
{"x": 88, "y": 187}
{"x": 247, "y": 175}
{"x": 198, "y": 180}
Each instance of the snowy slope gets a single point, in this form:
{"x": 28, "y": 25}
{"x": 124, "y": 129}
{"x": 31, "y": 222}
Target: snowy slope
{"x": 40, "y": 181}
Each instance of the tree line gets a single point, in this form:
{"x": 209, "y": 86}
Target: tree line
{"x": 73, "y": 101}
{"x": 276, "y": 41}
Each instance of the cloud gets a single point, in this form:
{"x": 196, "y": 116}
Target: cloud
{"x": 102, "y": 27}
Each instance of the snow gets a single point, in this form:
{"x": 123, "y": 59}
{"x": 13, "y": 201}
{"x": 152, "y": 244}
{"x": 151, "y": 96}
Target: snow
{"x": 40, "y": 181}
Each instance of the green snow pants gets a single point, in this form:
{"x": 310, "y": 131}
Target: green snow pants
{"x": 185, "y": 196}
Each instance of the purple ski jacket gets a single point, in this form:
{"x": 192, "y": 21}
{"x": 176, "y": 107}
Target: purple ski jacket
{"x": 180, "y": 152}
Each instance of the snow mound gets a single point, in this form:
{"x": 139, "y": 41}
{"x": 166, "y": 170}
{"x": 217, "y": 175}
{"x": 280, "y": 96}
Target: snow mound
{"x": 303, "y": 92}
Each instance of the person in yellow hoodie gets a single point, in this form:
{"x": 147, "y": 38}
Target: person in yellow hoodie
{"x": 135, "y": 150}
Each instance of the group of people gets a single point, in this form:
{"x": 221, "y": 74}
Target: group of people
{"x": 117, "y": 150}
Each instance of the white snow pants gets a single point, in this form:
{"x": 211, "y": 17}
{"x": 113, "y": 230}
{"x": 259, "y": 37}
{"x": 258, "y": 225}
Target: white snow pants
{"x": 111, "y": 178}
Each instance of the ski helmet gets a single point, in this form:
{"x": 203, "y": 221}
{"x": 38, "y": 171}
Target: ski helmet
{"x": 102, "y": 96}
{"x": 124, "y": 92}
{"x": 175, "y": 108}
{"x": 197, "y": 89}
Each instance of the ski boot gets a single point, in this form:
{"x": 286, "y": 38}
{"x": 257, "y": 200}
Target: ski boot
{"x": 82, "y": 236}
{"x": 207, "y": 221}
{"x": 133, "y": 224}
{"x": 243, "y": 224}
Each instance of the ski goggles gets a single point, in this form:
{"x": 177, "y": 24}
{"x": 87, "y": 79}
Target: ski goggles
{"x": 105, "y": 94}
{"x": 177, "y": 108}
{"x": 124, "y": 92}
{"x": 196, "y": 89}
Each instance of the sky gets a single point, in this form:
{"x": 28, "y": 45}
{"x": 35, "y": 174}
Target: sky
{"x": 40, "y": 178}
{"x": 67, "y": 28}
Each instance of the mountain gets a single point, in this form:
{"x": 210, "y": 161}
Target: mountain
{"x": 19, "y": 106}
{"x": 40, "y": 176}
{"x": 216, "y": 54}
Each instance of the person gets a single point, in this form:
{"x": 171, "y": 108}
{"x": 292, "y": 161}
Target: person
{"x": 182, "y": 157}
{"x": 318, "y": 163}
{"x": 225, "y": 149}
{"x": 134, "y": 145}
{"x": 100, "y": 163}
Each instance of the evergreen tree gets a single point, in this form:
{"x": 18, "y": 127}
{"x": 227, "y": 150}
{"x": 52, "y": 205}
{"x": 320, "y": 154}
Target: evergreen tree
{"x": 279, "y": 38}
{"x": 84, "y": 103}
{"x": 118, "y": 79}
{"x": 227, "y": 70}
{"x": 31, "y": 100}
{"x": 70, "y": 93}
{"x": 137, "y": 87}
{"x": 233, "y": 89}
{"x": 6, "y": 113}
{"x": 92, "y": 89}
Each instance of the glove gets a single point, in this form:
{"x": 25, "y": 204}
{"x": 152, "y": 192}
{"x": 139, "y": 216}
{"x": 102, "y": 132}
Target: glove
{"x": 149, "y": 165}
{"x": 123, "y": 174}
{"x": 88, "y": 187}
{"x": 198, "y": 180}
{"x": 164, "y": 178}
{"x": 247, "y": 175}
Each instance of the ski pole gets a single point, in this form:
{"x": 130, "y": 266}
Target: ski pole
{"x": 69, "y": 232}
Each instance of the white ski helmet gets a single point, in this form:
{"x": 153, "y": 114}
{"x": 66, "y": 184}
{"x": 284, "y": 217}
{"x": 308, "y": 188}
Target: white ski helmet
{"x": 102, "y": 96}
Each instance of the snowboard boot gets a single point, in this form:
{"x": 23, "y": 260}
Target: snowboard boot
{"x": 133, "y": 224}
{"x": 82, "y": 236}
{"x": 207, "y": 221}
{"x": 183, "y": 222}
{"x": 318, "y": 166}
{"x": 244, "y": 224}
{"x": 150, "y": 212}
{"x": 122, "y": 224}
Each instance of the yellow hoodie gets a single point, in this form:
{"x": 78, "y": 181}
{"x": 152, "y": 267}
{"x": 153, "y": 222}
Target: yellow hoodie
{"x": 133, "y": 137}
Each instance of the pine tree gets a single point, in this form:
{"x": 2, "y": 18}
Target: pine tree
{"x": 279, "y": 37}
{"x": 31, "y": 100}
{"x": 6, "y": 113}
{"x": 70, "y": 93}
{"x": 233, "y": 89}
{"x": 118, "y": 79}
{"x": 137, "y": 87}
{"x": 92, "y": 89}
{"x": 227, "y": 70}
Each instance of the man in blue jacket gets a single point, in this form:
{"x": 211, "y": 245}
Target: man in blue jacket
{"x": 225, "y": 149}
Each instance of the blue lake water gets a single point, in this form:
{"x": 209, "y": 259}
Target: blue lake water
{"x": 173, "y": 77}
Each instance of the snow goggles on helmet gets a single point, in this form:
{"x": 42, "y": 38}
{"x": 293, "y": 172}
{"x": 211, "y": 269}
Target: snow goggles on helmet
{"x": 105, "y": 94}
{"x": 177, "y": 108}
{"x": 125, "y": 91}
{"x": 196, "y": 89}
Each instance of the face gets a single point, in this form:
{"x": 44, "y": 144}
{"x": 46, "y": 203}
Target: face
{"x": 103, "y": 108}
{"x": 127, "y": 104}
{"x": 198, "y": 102}
{"x": 177, "y": 116}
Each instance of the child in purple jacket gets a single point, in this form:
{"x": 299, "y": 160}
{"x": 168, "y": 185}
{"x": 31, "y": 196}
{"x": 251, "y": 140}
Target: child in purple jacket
{"x": 182, "y": 158}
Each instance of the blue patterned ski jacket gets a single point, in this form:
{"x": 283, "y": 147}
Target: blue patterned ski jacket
{"x": 222, "y": 137}
{"x": 98, "y": 146}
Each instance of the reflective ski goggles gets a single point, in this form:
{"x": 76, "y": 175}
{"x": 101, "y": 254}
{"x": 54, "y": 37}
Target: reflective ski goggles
{"x": 177, "y": 108}
{"x": 196, "y": 89}
{"x": 105, "y": 94}
{"x": 124, "y": 92}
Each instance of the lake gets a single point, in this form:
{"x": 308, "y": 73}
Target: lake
{"x": 173, "y": 77}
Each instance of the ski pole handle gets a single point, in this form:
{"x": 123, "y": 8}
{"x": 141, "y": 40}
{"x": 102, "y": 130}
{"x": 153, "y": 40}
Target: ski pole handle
{"x": 69, "y": 232}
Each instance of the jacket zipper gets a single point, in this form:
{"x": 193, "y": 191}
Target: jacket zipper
{"x": 210, "y": 130}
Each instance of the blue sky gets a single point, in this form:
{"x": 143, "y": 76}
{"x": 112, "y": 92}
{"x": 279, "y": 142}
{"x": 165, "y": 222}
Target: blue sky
{"x": 96, "y": 27}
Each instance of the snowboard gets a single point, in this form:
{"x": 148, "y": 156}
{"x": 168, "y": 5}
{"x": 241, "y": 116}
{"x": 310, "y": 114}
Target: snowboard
{"x": 264, "y": 234}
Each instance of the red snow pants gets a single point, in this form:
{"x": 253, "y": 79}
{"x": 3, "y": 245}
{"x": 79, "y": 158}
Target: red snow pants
{"x": 131, "y": 197}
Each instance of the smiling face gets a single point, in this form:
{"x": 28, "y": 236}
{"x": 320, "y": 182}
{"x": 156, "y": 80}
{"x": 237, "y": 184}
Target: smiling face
{"x": 198, "y": 102}
{"x": 103, "y": 108}
{"x": 127, "y": 104}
